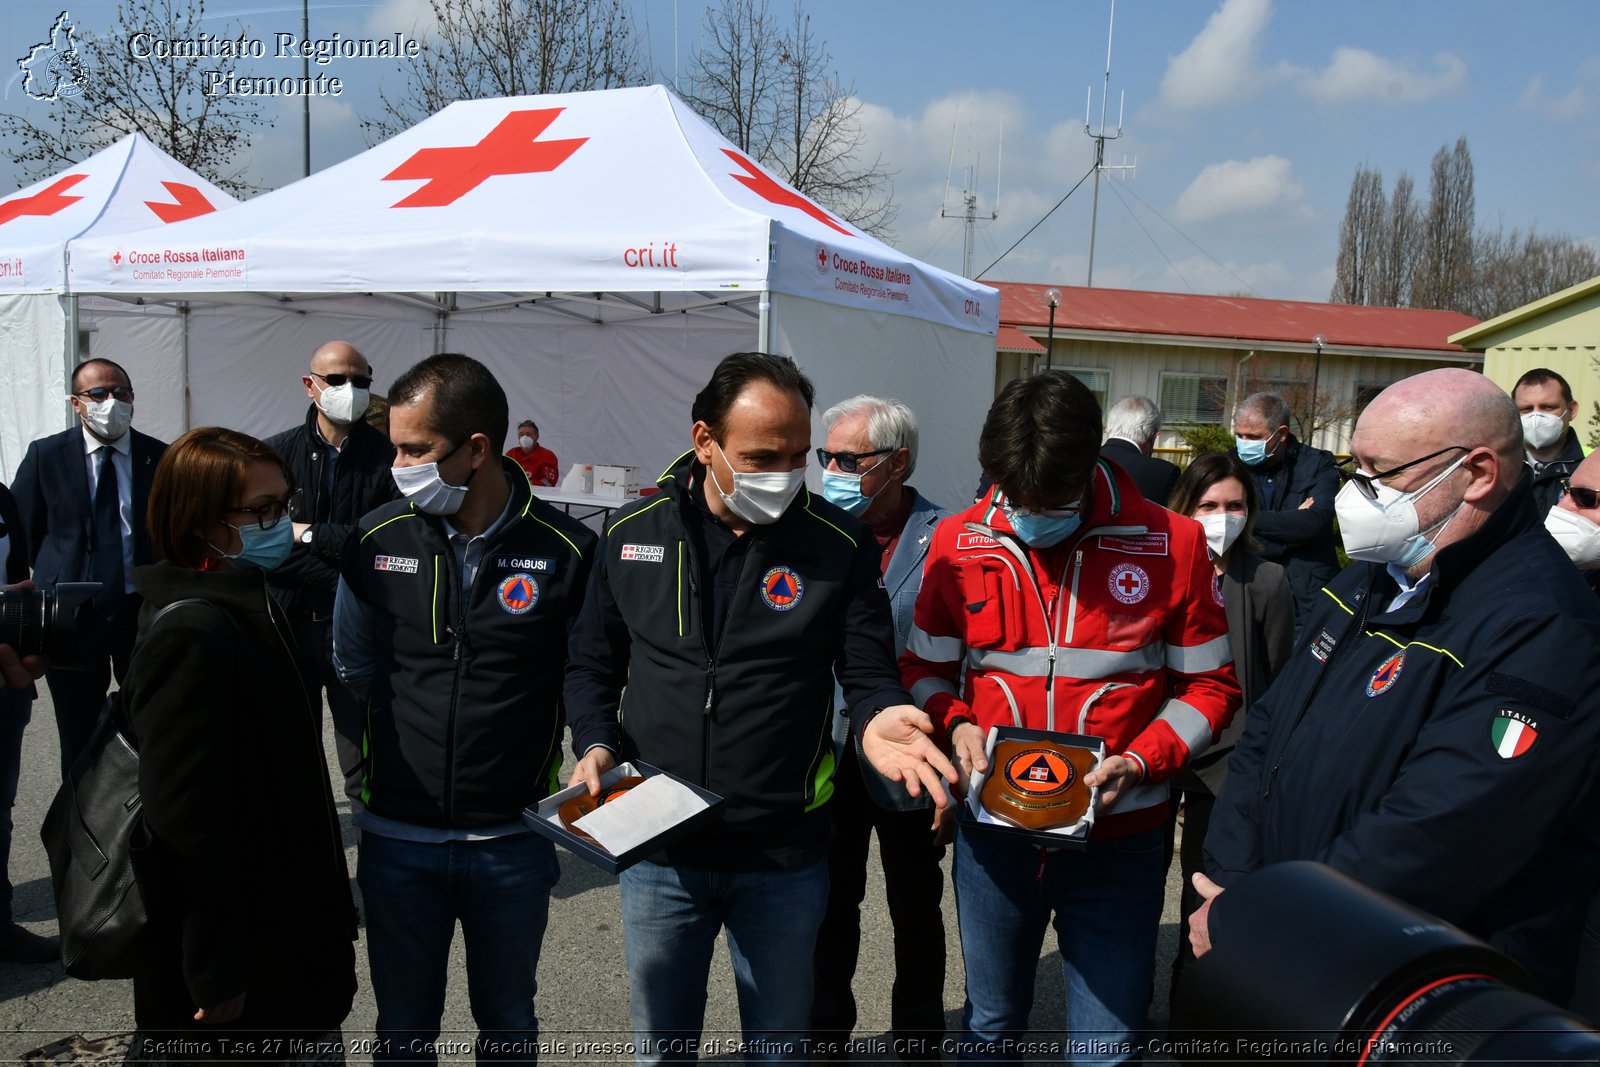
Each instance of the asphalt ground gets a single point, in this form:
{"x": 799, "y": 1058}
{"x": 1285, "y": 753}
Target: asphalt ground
{"x": 582, "y": 1001}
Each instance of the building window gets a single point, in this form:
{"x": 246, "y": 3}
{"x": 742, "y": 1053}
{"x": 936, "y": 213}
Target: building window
{"x": 1366, "y": 392}
{"x": 1097, "y": 381}
{"x": 1194, "y": 399}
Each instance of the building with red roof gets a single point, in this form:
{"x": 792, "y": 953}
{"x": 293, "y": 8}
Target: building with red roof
{"x": 1198, "y": 356}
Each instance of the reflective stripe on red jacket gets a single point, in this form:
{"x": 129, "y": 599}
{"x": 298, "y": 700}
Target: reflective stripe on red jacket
{"x": 1116, "y": 632}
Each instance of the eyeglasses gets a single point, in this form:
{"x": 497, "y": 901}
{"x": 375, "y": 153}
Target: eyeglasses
{"x": 1367, "y": 483}
{"x": 1063, "y": 511}
{"x": 1582, "y": 496}
{"x": 100, "y": 392}
{"x": 848, "y": 461}
{"x": 360, "y": 381}
{"x": 269, "y": 515}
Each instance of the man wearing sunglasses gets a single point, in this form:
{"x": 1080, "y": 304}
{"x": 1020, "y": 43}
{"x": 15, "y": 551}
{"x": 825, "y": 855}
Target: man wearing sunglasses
{"x": 341, "y": 467}
{"x": 1434, "y": 734}
{"x": 82, "y": 494}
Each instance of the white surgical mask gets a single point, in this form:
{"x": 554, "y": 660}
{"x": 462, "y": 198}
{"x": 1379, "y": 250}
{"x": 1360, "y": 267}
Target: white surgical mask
{"x": 1222, "y": 530}
{"x": 526, "y": 442}
{"x": 1540, "y": 429}
{"x": 1578, "y": 537}
{"x": 759, "y": 498}
{"x": 343, "y": 404}
{"x": 430, "y": 493}
{"x": 1387, "y": 530}
{"x": 109, "y": 419}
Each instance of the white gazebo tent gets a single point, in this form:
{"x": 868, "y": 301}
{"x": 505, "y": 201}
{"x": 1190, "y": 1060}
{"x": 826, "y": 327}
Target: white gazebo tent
{"x": 600, "y": 251}
{"x": 130, "y": 185}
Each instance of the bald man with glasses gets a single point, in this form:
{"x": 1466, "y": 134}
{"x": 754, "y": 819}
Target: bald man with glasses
{"x": 1434, "y": 734}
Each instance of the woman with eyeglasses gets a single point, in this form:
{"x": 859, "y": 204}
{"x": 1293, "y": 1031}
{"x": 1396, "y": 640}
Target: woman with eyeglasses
{"x": 1217, "y": 491}
{"x": 248, "y": 951}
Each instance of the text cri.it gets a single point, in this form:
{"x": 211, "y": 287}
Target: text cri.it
{"x": 652, "y": 255}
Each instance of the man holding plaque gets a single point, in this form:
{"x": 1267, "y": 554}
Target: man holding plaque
{"x": 1063, "y": 601}
{"x": 1434, "y": 735}
{"x": 719, "y": 613}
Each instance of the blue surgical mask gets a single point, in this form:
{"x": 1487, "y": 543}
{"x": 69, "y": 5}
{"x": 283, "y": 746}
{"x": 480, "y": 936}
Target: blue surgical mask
{"x": 264, "y": 549}
{"x": 1043, "y": 531}
{"x": 844, "y": 490}
{"x": 1252, "y": 453}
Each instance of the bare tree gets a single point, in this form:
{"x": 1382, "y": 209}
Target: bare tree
{"x": 1361, "y": 240}
{"x": 1444, "y": 276}
{"x": 1513, "y": 269}
{"x": 483, "y": 48}
{"x": 117, "y": 92}
{"x": 775, "y": 95}
{"x": 1402, "y": 237}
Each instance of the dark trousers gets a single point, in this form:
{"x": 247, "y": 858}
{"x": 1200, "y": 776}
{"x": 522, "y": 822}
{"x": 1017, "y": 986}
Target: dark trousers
{"x": 79, "y": 695}
{"x": 914, "y": 884}
{"x": 313, "y": 636}
{"x": 1196, "y": 801}
{"x": 16, "y": 707}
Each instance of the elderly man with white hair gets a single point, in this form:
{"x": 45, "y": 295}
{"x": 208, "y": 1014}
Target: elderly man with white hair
{"x": 1434, "y": 736}
{"x": 1132, "y": 424}
{"x": 867, "y": 461}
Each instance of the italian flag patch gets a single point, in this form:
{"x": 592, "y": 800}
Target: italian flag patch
{"x": 1513, "y": 733}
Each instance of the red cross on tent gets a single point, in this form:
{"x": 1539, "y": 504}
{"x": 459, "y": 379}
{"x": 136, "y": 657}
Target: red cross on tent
{"x": 767, "y": 188}
{"x": 189, "y": 202}
{"x": 512, "y": 147}
{"x": 46, "y": 201}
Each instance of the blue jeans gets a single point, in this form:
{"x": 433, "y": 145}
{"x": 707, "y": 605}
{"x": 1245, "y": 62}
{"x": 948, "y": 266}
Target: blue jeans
{"x": 413, "y": 894}
{"x": 670, "y": 920}
{"x": 1105, "y": 903}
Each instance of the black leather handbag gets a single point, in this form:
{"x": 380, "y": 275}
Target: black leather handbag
{"x": 91, "y": 834}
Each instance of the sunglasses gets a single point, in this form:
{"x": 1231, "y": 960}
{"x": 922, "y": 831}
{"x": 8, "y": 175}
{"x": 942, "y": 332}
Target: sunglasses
{"x": 848, "y": 461}
{"x": 1367, "y": 483}
{"x": 360, "y": 381}
{"x": 1582, "y": 496}
{"x": 100, "y": 392}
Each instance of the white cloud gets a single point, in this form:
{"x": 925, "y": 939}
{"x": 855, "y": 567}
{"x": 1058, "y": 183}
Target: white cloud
{"x": 1355, "y": 74}
{"x": 1221, "y": 65}
{"x": 1559, "y": 109}
{"x": 1263, "y": 190}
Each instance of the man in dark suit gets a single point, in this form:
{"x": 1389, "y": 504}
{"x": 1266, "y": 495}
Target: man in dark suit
{"x": 1131, "y": 428}
{"x": 82, "y": 495}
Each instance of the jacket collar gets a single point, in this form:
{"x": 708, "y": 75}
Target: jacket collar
{"x": 242, "y": 589}
{"x": 1115, "y": 505}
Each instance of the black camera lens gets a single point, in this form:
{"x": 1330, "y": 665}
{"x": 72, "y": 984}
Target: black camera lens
{"x": 47, "y": 622}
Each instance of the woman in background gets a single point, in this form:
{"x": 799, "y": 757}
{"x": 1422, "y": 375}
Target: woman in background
{"x": 244, "y": 877}
{"x": 1217, "y": 491}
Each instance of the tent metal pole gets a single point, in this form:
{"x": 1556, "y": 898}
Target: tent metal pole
{"x": 69, "y": 308}
{"x": 183, "y": 312}
{"x": 764, "y": 323}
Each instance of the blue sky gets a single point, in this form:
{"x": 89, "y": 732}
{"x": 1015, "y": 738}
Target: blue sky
{"x": 1247, "y": 117}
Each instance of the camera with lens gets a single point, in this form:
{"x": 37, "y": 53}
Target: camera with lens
{"x": 47, "y": 622}
{"x": 1308, "y": 965}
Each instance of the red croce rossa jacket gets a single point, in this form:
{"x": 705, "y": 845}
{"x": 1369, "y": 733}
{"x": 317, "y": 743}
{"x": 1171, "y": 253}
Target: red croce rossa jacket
{"x": 1116, "y": 632}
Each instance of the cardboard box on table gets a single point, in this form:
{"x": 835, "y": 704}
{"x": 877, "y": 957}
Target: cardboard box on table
{"x": 546, "y": 819}
{"x": 974, "y": 817}
{"x": 619, "y": 482}
{"x": 579, "y": 479}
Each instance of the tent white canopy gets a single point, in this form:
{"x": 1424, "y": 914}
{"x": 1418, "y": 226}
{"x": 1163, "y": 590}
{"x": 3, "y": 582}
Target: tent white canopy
{"x": 601, "y": 251}
{"x": 129, "y": 185}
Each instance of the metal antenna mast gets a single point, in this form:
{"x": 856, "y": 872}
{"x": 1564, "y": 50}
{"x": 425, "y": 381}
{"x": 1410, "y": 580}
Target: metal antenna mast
{"x": 969, "y": 198}
{"x": 1101, "y": 138}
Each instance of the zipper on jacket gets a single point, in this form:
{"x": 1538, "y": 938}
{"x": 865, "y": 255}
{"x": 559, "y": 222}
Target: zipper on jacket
{"x": 457, "y": 632}
{"x": 711, "y": 675}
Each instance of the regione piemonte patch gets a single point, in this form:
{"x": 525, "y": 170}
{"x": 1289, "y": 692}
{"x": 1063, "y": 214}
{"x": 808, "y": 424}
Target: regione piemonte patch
{"x": 403, "y": 564}
{"x": 644, "y": 553}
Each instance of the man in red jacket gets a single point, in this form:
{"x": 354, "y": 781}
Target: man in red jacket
{"x": 541, "y": 464}
{"x": 1064, "y": 601}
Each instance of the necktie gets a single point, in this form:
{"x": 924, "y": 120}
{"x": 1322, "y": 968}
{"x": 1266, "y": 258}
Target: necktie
{"x": 106, "y": 552}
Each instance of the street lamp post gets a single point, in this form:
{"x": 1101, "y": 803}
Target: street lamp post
{"x": 1316, "y": 371}
{"x": 1053, "y": 296}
